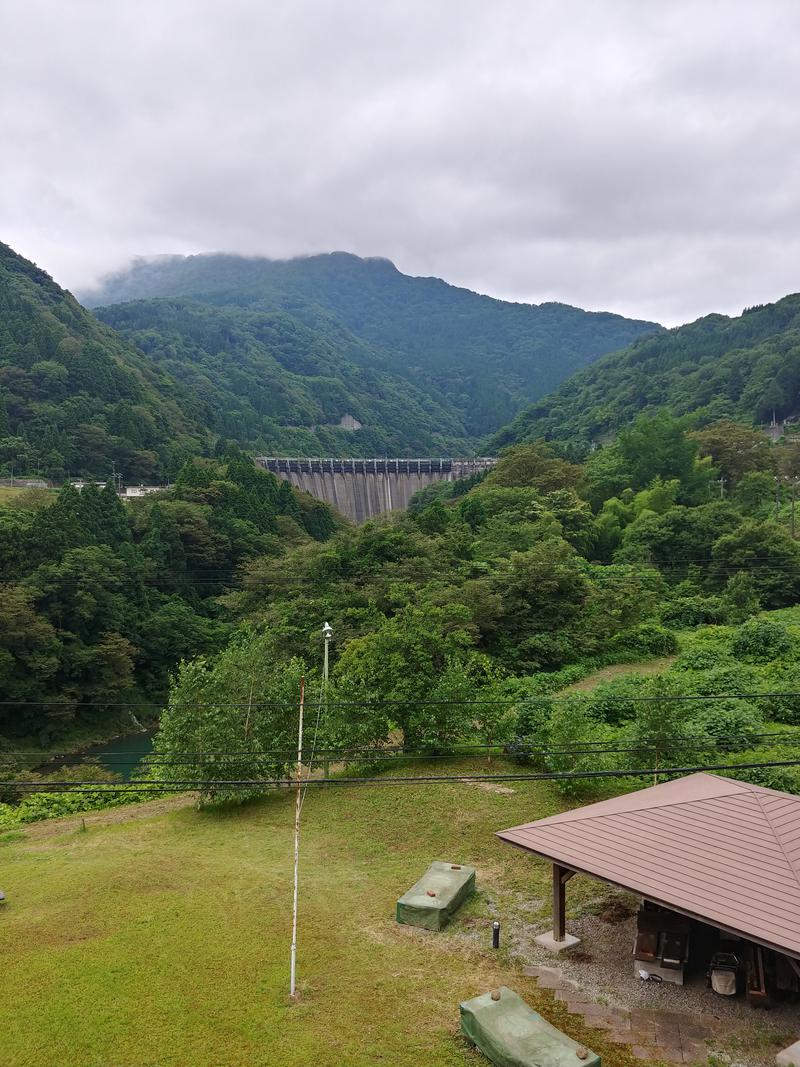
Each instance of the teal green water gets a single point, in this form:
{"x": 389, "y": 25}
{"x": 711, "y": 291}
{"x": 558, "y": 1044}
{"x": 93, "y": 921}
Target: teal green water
{"x": 124, "y": 754}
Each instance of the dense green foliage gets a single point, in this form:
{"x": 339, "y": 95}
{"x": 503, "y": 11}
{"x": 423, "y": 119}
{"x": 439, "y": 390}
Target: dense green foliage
{"x": 477, "y": 359}
{"x": 517, "y": 586}
{"x": 635, "y": 721}
{"x": 274, "y": 356}
{"x": 718, "y": 367}
{"x": 102, "y": 599}
{"x": 74, "y": 397}
{"x": 280, "y": 385}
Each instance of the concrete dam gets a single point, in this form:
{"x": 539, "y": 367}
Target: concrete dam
{"x": 363, "y": 488}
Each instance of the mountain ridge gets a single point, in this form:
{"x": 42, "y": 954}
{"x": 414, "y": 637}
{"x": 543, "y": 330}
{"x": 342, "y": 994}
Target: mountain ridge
{"x": 76, "y": 397}
{"x": 444, "y": 338}
{"x": 720, "y": 366}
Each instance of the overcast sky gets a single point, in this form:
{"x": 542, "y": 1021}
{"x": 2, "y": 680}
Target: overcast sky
{"x": 629, "y": 155}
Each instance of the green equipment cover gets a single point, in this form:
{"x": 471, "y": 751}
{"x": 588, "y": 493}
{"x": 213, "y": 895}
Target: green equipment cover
{"x": 511, "y": 1034}
{"x": 438, "y": 894}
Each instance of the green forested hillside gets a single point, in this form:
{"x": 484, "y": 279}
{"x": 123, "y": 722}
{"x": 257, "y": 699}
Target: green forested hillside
{"x": 452, "y": 623}
{"x": 101, "y": 599}
{"x": 746, "y": 367}
{"x": 280, "y": 385}
{"x": 481, "y": 358}
{"x": 74, "y": 396}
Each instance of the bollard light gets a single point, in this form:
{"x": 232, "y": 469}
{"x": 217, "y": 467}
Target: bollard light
{"x": 495, "y": 934}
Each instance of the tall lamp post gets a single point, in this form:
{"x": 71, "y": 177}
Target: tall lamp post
{"x": 327, "y": 634}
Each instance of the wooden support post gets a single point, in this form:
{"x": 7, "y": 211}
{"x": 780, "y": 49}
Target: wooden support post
{"x": 561, "y": 875}
{"x": 558, "y": 939}
{"x": 559, "y": 900}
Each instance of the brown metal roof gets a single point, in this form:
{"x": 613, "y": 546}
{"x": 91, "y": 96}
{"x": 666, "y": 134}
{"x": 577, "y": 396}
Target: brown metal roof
{"x": 719, "y": 850}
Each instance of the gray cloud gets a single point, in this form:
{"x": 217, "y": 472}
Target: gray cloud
{"x": 643, "y": 158}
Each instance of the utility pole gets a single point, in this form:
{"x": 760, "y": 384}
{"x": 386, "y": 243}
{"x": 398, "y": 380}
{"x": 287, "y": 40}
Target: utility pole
{"x": 327, "y": 634}
{"x": 777, "y": 497}
{"x": 298, "y": 805}
{"x": 721, "y": 487}
{"x": 794, "y": 493}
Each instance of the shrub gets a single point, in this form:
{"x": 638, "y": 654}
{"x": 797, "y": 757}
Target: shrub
{"x": 532, "y": 727}
{"x": 699, "y": 658}
{"x": 8, "y": 817}
{"x": 649, "y": 639}
{"x": 685, "y": 612}
{"x": 786, "y": 779}
{"x": 729, "y": 724}
{"x": 760, "y": 640}
{"x": 740, "y": 598}
{"x": 721, "y": 679}
{"x": 775, "y": 678}
{"x": 52, "y": 805}
{"x": 552, "y": 681}
{"x": 611, "y": 702}
{"x": 573, "y": 722}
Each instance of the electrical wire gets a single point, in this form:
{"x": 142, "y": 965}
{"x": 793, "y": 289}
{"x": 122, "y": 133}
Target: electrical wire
{"x": 419, "y": 701}
{"x": 529, "y": 745}
{"x": 144, "y": 785}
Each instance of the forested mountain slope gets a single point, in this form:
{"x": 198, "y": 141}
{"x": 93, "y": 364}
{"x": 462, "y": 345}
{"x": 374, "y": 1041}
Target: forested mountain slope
{"x": 281, "y": 385}
{"x": 74, "y": 396}
{"x": 481, "y": 358}
{"x": 746, "y": 367}
{"x": 101, "y": 599}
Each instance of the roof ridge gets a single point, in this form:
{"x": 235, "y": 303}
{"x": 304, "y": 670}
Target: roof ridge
{"x": 677, "y": 802}
{"x": 792, "y": 866}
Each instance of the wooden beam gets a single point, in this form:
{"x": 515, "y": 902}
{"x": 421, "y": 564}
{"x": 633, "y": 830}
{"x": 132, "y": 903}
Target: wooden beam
{"x": 559, "y": 900}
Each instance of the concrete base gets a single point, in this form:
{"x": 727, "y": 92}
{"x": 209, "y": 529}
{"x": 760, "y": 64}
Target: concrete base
{"x": 549, "y": 942}
{"x": 789, "y": 1057}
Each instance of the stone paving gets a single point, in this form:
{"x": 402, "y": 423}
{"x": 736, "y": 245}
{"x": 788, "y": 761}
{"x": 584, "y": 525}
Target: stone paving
{"x": 653, "y": 1035}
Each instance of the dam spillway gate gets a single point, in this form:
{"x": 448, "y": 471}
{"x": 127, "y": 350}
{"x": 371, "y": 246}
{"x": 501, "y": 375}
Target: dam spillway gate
{"x": 363, "y": 488}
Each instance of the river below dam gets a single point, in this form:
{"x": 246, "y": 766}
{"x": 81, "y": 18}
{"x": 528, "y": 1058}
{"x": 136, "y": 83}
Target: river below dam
{"x": 124, "y": 754}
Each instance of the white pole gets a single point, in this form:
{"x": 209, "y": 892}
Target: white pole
{"x": 292, "y": 984}
{"x": 327, "y": 633}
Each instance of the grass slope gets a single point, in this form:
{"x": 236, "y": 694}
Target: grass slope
{"x": 162, "y": 939}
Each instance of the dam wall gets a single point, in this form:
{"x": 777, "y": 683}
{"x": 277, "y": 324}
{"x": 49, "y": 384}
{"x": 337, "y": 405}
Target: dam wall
{"x": 363, "y": 488}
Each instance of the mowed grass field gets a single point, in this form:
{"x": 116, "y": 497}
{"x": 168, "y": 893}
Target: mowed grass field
{"x": 160, "y": 938}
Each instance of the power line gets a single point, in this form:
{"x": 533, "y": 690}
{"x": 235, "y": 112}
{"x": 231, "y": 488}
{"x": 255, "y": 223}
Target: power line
{"x": 558, "y": 697}
{"x": 521, "y": 748}
{"x": 430, "y": 752}
{"x": 193, "y": 784}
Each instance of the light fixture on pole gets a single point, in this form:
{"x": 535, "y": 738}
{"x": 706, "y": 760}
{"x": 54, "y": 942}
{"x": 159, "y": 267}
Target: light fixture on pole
{"x": 327, "y": 634}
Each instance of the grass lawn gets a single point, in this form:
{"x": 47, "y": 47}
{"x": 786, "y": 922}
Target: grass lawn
{"x": 8, "y": 493}
{"x": 162, "y": 939}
